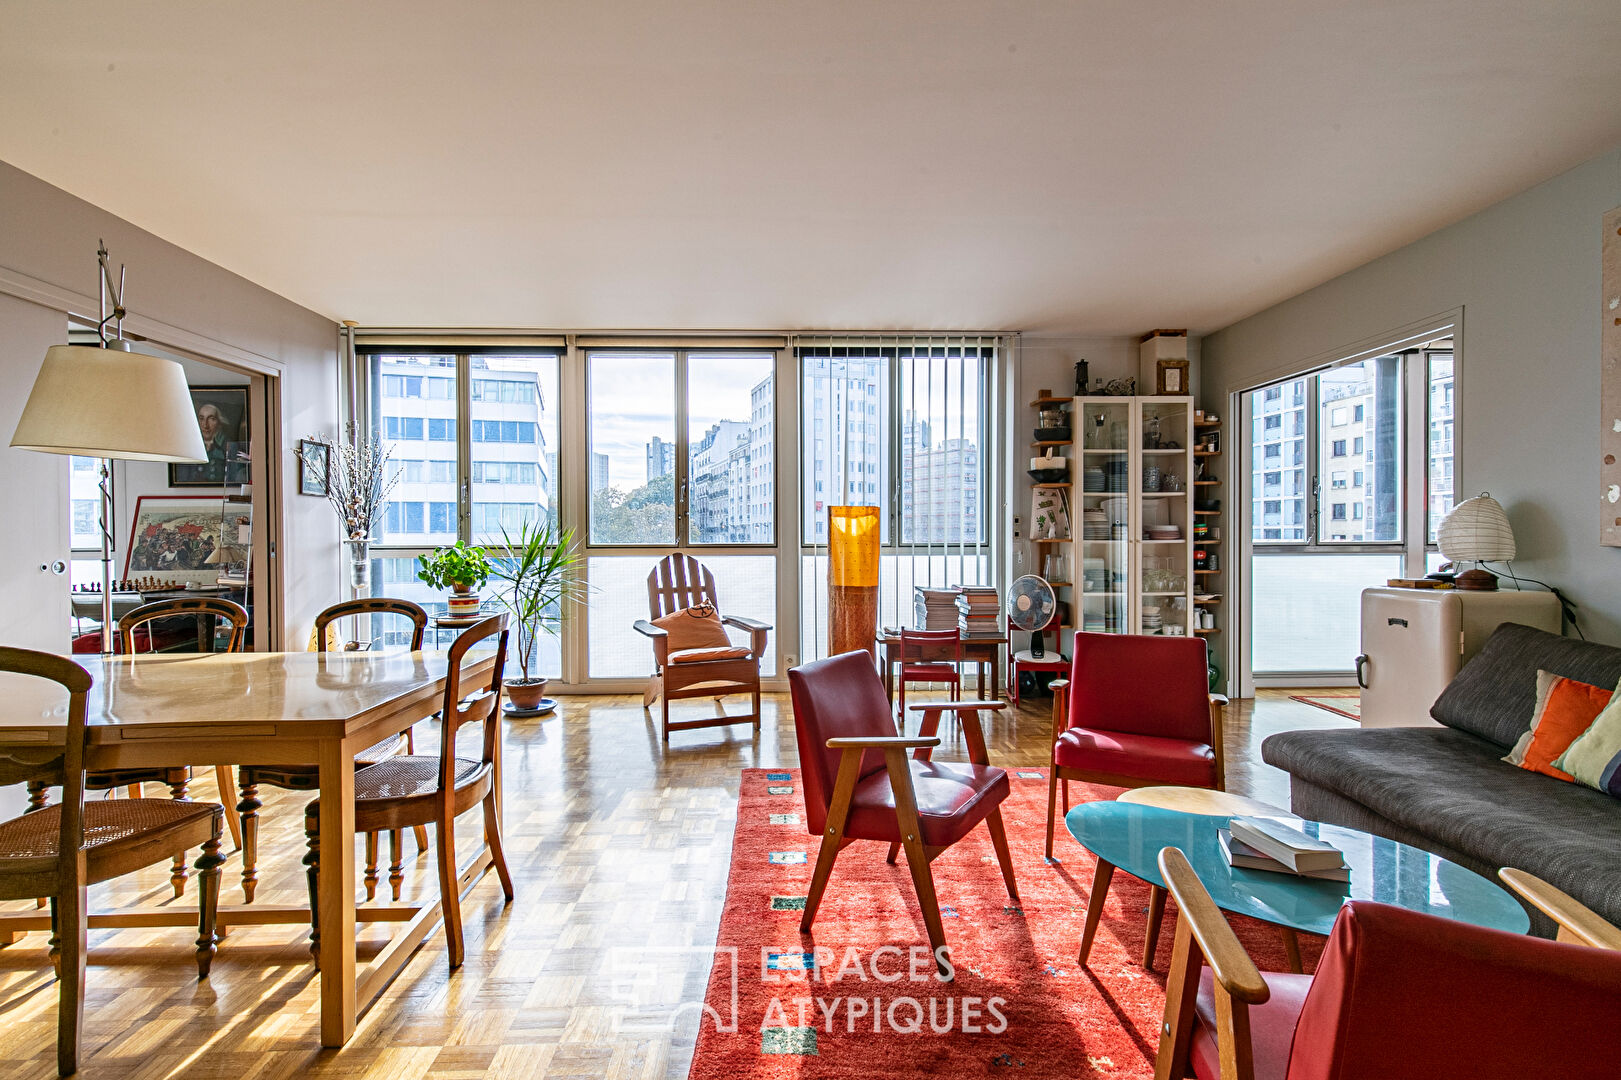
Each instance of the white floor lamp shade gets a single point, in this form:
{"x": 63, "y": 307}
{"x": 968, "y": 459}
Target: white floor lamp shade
{"x": 108, "y": 403}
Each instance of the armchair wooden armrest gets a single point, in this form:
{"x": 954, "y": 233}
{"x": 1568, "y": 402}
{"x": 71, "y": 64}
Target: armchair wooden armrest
{"x": 1577, "y": 922}
{"x": 881, "y": 742}
{"x": 661, "y": 640}
{"x": 957, "y": 706}
{"x": 1203, "y": 936}
{"x": 1218, "y": 709}
{"x": 757, "y": 631}
{"x": 1060, "y": 706}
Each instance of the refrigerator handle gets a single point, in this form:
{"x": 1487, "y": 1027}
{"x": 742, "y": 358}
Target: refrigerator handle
{"x": 1361, "y": 665}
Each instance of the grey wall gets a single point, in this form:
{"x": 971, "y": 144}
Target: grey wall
{"x": 1526, "y": 273}
{"x": 49, "y": 236}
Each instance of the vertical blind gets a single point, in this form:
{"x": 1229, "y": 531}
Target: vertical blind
{"x": 904, "y": 422}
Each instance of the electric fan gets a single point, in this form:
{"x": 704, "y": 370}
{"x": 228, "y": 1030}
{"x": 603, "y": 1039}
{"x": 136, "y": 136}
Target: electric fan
{"x": 1031, "y": 605}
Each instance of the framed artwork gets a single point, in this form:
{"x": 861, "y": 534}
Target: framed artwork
{"x": 175, "y": 539}
{"x": 314, "y": 467}
{"x": 1171, "y": 377}
{"x": 222, "y": 420}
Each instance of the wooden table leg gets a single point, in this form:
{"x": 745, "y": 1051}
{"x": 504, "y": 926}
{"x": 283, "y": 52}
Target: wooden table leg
{"x": 337, "y": 893}
{"x": 1094, "y": 907}
{"x": 1291, "y": 948}
{"x": 1156, "y": 914}
{"x": 889, "y": 672}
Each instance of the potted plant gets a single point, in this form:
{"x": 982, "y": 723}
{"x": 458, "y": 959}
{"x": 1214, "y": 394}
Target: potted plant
{"x": 460, "y": 569}
{"x": 540, "y": 570}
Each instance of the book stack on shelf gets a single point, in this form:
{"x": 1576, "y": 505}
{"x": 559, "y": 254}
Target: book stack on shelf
{"x": 978, "y": 609}
{"x": 1258, "y": 843}
{"x": 934, "y": 609}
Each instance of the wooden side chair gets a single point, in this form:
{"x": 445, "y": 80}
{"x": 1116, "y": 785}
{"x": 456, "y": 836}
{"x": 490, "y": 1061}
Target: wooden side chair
{"x": 860, "y": 784}
{"x": 931, "y": 656}
{"x": 307, "y": 777}
{"x": 1136, "y": 711}
{"x": 59, "y": 851}
{"x": 692, "y": 656}
{"x": 134, "y": 631}
{"x": 409, "y": 790}
{"x": 1397, "y": 993}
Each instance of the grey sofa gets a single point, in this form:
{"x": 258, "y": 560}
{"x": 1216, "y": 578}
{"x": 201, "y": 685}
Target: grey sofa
{"x": 1446, "y": 790}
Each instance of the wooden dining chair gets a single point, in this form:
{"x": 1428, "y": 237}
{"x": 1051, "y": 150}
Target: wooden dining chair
{"x": 931, "y": 656}
{"x": 134, "y": 630}
{"x": 692, "y": 656}
{"x": 59, "y": 851}
{"x": 307, "y": 777}
{"x": 411, "y": 789}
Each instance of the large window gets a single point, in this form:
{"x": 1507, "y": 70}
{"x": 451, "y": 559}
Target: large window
{"x": 902, "y": 425}
{"x": 451, "y": 486}
{"x": 1331, "y": 505}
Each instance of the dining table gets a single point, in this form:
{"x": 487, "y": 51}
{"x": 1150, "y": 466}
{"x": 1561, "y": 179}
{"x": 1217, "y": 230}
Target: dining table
{"x": 266, "y": 708}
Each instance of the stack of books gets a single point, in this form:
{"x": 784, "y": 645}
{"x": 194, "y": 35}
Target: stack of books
{"x": 1257, "y": 843}
{"x": 978, "y": 609}
{"x": 934, "y": 609}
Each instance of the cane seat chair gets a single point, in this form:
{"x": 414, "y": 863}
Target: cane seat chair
{"x": 59, "y": 851}
{"x": 135, "y": 630}
{"x": 410, "y": 790}
{"x": 307, "y": 777}
{"x": 681, "y": 583}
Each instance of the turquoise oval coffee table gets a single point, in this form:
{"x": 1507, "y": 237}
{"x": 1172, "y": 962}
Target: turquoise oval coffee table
{"x": 1130, "y": 836}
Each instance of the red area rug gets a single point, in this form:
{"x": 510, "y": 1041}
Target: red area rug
{"x": 1347, "y": 703}
{"x": 1019, "y": 1005}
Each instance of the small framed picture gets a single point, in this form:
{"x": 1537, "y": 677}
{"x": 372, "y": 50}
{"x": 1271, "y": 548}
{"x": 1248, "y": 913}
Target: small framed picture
{"x": 179, "y": 540}
{"x": 1171, "y": 377}
{"x": 314, "y": 465}
{"x": 222, "y": 421}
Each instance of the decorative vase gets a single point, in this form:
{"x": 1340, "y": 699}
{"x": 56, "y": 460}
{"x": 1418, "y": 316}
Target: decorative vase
{"x": 359, "y": 565}
{"x": 461, "y": 603}
{"x": 526, "y": 696}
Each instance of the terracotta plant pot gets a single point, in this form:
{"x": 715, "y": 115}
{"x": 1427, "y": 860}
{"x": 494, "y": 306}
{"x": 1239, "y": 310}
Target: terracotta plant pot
{"x": 526, "y": 694}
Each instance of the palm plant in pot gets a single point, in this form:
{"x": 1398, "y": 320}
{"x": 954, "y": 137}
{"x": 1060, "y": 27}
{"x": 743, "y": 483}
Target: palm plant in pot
{"x": 540, "y": 570}
{"x": 459, "y": 569}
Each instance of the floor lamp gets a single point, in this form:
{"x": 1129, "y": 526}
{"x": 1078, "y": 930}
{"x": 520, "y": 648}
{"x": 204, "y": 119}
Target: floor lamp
{"x": 104, "y": 401}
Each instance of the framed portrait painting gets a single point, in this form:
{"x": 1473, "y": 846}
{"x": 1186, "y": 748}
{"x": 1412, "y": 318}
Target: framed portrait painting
{"x": 176, "y": 540}
{"x": 222, "y": 420}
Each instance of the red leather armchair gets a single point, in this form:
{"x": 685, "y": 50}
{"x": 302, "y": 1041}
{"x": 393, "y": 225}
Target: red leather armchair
{"x": 1136, "y": 711}
{"x": 1396, "y": 994}
{"x": 859, "y": 783}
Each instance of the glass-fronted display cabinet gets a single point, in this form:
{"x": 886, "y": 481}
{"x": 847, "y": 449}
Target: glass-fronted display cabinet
{"x": 1134, "y": 549}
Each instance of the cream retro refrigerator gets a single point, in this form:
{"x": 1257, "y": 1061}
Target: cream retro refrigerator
{"x": 1415, "y": 640}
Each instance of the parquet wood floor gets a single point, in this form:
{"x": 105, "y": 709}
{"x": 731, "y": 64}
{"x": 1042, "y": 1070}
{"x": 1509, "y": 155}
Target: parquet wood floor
{"x": 619, "y": 848}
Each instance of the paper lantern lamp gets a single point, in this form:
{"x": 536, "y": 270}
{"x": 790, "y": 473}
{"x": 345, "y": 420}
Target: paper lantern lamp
{"x": 1477, "y": 531}
{"x": 852, "y": 579}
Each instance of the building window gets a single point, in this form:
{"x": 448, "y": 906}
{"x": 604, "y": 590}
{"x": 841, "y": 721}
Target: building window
{"x": 1338, "y": 448}
{"x": 1337, "y": 479}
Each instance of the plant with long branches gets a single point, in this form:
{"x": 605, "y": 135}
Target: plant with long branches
{"x": 359, "y": 481}
{"x": 541, "y": 569}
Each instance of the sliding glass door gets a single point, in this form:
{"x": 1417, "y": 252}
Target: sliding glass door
{"x": 1334, "y": 496}
{"x": 683, "y": 451}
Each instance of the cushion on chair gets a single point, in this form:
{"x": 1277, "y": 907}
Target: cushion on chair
{"x": 1399, "y": 993}
{"x": 1147, "y": 757}
{"x": 951, "y": 800}
{"x": 1142, "y": 684}
{"x": 1272, "y": 1026}
{"x": 698, "y": 656}
{"x": 926, "y": 671}
{"x": 696, "y": 627}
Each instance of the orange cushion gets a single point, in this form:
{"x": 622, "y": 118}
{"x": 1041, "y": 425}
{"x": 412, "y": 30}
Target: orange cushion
{"x": 696, "y": 627}
{"x": 1565, "y": 709}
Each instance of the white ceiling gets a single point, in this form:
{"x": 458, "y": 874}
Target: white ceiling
{"x": 1058, "y": 167}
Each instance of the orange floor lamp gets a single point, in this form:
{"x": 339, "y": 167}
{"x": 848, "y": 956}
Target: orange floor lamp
{"x": 852, "y": 579}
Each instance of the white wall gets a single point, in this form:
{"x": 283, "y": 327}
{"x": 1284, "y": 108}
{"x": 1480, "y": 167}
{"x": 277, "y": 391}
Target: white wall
{"x": 48, "y": 242}
{"x": 1526, "y": 273}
